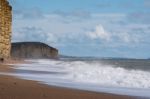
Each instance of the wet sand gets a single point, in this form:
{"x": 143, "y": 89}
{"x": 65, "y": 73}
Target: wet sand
{"x": 14, "y": 88}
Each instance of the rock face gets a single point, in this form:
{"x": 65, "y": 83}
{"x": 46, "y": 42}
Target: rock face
{"x": 34, "y": 50}
{"x": 5, "y": 29}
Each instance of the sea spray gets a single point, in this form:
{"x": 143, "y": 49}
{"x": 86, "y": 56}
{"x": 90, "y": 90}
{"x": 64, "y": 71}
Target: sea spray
{"x": 87, "y": 75}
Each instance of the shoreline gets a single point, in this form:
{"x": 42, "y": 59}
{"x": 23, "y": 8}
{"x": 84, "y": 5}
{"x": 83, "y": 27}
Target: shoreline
{"x": 15, "y": 88}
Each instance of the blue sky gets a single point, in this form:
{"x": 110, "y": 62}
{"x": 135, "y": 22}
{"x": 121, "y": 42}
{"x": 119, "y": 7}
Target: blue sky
{"x": 101, "y": 28}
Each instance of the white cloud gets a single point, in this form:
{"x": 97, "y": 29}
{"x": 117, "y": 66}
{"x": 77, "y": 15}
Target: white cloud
{"x": 53, "y": 29}
{"x": 125, "y": 37}
{"x": 128, "y": 38}
{"x": 99, "y": 33}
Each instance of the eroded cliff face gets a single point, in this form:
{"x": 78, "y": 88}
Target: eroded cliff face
{"x": 5, "y": 29}
{"x": 34, "y": 50}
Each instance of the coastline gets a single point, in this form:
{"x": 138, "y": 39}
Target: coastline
{"x": 15, "y": 88}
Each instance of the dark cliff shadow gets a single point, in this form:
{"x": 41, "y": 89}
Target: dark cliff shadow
{"x": 33, "y": 50}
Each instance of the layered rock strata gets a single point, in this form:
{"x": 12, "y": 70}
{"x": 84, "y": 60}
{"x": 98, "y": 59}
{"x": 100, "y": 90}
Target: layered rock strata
{"x": 5, "y": 29}
{"x": 32, "y": 50}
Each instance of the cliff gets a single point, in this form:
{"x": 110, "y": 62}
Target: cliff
{"x": 34, "y": 50}
{"x": 5, "y": 29}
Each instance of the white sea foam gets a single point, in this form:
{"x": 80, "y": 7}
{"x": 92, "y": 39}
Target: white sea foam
{"x": 92, "y": 76}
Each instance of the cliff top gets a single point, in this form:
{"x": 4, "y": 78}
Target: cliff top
{"x": 32, "y": 43}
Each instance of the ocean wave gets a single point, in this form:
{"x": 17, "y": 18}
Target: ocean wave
{"x": 92, "y": 72}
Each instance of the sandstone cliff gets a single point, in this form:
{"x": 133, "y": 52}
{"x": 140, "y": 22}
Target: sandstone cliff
{"x": 5, "y": 29}
{"x": 35, "y": 50}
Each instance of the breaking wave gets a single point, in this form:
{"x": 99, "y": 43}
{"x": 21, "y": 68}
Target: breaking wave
{"x": 84, "y": 72}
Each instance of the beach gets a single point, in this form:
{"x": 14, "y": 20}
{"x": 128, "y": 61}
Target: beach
{"x": 74, "y": 49}
{"x": 15, "y": 88}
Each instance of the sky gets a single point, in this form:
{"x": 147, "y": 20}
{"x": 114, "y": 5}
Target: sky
{"x": 99, "y": 28}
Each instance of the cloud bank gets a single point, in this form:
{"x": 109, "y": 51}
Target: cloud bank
{"x": 86, "y": 33}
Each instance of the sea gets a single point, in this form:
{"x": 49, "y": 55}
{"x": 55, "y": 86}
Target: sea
{"x": 108, "y": 75}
